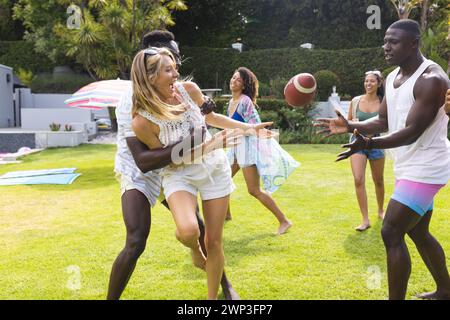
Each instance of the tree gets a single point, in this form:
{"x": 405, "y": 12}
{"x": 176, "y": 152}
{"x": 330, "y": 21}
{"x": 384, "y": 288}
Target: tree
{"x": 9, "y": 29}
{"x": 328, "y": 24}
{"x": 436, "y": 39}
{"x": 434, "y": 26}
{"x": 424, "y": 12}
{"x": 105, "y": 36}
{"x": 212, "y": 23}
{"x": 404, "y": 7}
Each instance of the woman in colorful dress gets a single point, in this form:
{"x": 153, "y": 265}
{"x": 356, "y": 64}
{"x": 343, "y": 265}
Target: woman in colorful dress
{"x": 258, "y": 159}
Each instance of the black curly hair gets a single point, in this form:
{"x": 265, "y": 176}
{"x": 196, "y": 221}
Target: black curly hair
{"x": 251, "y": 84}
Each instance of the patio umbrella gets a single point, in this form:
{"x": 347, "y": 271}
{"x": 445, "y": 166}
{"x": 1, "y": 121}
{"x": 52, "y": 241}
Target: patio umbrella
{"x": 99, "y": 94}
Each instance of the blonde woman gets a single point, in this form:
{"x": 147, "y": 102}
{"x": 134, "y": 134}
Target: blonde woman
{"x": 164, "y": 111}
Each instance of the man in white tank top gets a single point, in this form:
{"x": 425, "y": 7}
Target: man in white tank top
{"x": 413, "y": 115}
{"x": 138, "y": 169}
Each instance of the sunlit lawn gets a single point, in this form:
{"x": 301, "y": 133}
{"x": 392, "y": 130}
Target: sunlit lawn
{"x": 47, "y": 233}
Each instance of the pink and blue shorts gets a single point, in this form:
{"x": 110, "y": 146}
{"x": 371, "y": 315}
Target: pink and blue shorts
{"x": 416, "y": 195}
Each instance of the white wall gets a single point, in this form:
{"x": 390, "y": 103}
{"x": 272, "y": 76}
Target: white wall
{"x": 41, "y": 118}
{"x": 46, "y": 100}
{"x": 325, "y": 109}
{"x": 51, "y": 100}
{"x": 26, "y": 98}
{"x": 6, "y": 97}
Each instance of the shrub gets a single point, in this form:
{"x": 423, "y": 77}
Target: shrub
{"x": 325, "y": 81}
{"x": 386, "y": 71}
{"x": 277, "y": 87}
{"x": 26, "y": 76}
{"x": 54, "y": 126}
{"x": 271, "y": 116}
{"x": 295, "y": 125}
{"x": 21, "y": 54}
{"x": 212, "y": 67}
{"x": 264, "y": 90}
{"x": 70, "y": 83}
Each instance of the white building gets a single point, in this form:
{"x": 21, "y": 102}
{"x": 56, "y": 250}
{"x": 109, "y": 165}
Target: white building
{"x": 25, "y": 118}
{"x": 7, "y": 115}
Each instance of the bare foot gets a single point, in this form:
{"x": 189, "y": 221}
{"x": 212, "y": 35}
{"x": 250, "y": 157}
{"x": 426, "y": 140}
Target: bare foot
{"x": 230, "y": 294}
{"x": 362, "y": 227}
{"x": 434, "y": 295}
{"x": 381, "y": 215}
{"x": 284, "y": 226}
{"x": 198, "y": 259}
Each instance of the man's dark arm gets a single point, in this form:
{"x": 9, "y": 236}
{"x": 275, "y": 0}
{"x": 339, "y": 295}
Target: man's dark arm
{"x": 146, "y": 159}
{"x": 151, "y": 159}
{"x": 429, "y": 99}
{"x": 429, "y": 93}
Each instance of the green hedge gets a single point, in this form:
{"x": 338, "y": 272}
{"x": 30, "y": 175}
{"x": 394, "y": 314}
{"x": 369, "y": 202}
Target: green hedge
{"x": 213, "y": 68}
{"x": 20, "y": 54}
{"x": 294, "y": 124}
{"x": 48, "y": 83}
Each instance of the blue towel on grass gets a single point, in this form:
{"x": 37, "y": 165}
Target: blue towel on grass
{"x": 50, "y": 176}
{"x": 32, "y": 173}
{"x": 67, "y": 178}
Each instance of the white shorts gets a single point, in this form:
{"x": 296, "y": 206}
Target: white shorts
{"x": 144, "y": 185}
{"x": 212, "y": 181}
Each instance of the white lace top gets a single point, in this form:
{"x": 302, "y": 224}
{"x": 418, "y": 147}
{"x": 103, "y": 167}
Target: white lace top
{"x": 170, "y": 131}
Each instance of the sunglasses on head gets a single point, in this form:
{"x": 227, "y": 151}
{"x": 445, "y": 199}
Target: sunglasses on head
{"x": 375, "y": 72}
{"x": 150, "y": 52}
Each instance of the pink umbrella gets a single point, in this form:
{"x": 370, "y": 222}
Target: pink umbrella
{"x": 99, "y": 95}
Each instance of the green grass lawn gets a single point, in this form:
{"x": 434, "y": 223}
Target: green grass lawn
{"x": 44, "y": 230}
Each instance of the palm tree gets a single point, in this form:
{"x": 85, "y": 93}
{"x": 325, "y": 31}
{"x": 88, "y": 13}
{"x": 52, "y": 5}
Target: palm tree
{"x": 404, "y": 7}
{"x": 110, "y": 35}
{"x": 111, "y": 32}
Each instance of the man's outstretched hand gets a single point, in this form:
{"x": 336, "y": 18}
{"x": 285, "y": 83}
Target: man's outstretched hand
{"x": 332, "y": 126}
{"x": 360, "y": 143}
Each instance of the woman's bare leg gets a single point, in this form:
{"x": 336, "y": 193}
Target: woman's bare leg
{"x": 183, "y": 205}
{"x": 214, "y": 212}
{"x": 358, "y": 163}
{"x": 252, "y": 179}
{"x": 234, "y": 169}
